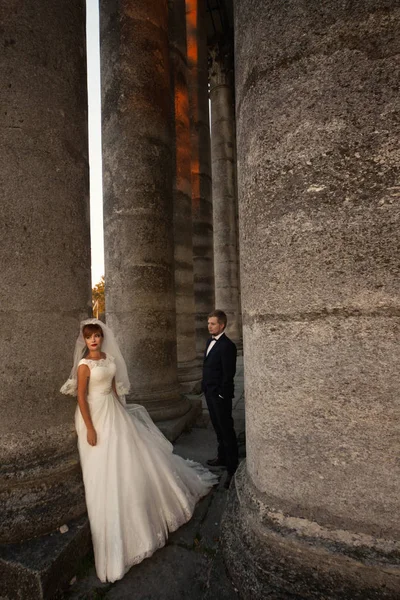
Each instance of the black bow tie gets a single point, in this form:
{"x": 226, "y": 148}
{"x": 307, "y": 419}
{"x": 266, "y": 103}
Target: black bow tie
{"x": 214, "y": 339}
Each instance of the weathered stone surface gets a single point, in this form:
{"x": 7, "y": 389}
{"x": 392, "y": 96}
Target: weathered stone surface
{"x": 45, "y": 258}
{"x": 41, "y": 568}
{"x": 138, "y": 211}
{"x": 272, "y": 555}
{"x": 189, "y": 372}
{"x": 331, "y": 425}
{"x": 203, "y": 260}
{"x": 41, "y": 482}
{"x": 223, "y": 156}
{"x": 317, "y": 120}
{"x": 172, "y": 428}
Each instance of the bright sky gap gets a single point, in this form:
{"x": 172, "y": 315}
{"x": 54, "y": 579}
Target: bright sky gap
{"x": 94, "y": 111}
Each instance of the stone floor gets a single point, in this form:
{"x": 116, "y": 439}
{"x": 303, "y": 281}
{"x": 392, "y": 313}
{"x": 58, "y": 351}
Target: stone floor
{"x": 190, "y": 566}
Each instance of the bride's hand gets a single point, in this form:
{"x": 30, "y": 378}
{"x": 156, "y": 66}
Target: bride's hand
{"x": 92, "y": 437}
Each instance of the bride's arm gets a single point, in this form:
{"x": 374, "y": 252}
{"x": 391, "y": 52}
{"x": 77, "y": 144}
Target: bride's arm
{"x": 83, "y": 379}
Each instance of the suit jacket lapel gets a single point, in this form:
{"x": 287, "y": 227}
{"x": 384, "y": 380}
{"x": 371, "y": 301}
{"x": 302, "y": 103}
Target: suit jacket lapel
{"x": 216, "y": 342}
{"x": 205, "y": 351}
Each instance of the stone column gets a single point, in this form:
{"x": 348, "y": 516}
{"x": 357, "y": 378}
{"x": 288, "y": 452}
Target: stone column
{"x": 45, "y": 267}
{"x": 315, "y": 509}
{"x": 189, "y": 373}
{"x": 223, "y": 155}
{"x": 203, "y": 262}
{"x": 138, "y": 212}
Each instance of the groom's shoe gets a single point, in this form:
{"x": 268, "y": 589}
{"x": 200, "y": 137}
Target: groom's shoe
{"x": 216, "y": 462}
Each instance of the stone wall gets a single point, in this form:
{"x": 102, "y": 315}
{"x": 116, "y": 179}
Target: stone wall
{"x": 317, "y": 121}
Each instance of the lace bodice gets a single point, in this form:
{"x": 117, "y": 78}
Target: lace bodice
{"x": 101, "y": 375}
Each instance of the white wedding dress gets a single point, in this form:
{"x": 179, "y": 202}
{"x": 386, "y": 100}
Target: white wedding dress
{"x": 136, "y": 489}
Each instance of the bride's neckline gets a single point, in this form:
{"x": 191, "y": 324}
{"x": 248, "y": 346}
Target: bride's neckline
{"x": 96, "y": 359}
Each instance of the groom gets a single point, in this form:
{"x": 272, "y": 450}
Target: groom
{"x": 219, "y": 369}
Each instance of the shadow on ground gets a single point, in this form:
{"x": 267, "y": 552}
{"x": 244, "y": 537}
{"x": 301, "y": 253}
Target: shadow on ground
{"x": 190, "y": 566}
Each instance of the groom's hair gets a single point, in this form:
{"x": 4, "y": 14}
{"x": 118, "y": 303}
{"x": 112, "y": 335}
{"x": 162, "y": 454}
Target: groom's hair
{"x": 90, "y": 328}
{"x": 221, "y": 316}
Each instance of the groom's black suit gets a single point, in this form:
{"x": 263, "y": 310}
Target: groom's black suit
{"x": 219, "y": 369}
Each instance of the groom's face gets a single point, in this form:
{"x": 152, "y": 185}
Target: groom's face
{"x": 214, "y": 326}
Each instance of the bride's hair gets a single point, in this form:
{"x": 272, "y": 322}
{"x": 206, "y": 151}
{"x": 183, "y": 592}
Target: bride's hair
{"x": 90, "y": 328}
{"x": 87, "y": 330}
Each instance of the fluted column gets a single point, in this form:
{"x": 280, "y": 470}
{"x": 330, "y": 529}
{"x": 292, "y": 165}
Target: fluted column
{"x": 203, "y": 261}
{"x": 45, "y": 262}
{"x": 223, "y": 155}
{"x": 138, "y": 211}
{"x": 189, "y": 373}
{"x": 315, "y": 509}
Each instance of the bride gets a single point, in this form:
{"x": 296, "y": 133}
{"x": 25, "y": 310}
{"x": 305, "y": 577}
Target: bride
{"x": 136, "y": 489}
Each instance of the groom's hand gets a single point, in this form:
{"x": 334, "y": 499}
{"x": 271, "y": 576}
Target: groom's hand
{"x": 92, "y": 437}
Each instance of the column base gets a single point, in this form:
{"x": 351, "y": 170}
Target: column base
{"x": 162, "y": 406}
{"x": 40, "y": 483}
{"x": 239, "y": 346}
{"x": 270, "y": 555}
{"x": 39, "y": 568}
{"x": 173, "y": 428}
{"x": 189, "y": 376}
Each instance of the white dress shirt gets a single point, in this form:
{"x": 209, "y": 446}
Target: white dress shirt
{"x": 213, "y": 342}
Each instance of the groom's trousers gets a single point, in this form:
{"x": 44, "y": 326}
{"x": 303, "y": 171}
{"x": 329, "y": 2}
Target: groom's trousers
{"x": 220, "y": 410}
